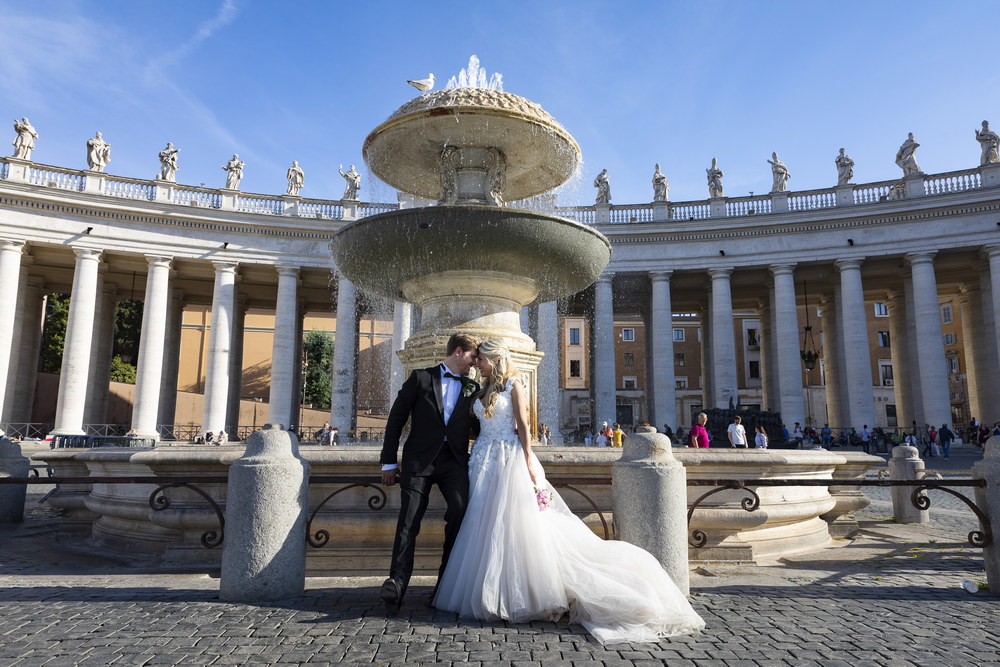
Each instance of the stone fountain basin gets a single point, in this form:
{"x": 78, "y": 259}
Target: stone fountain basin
{"x": 382, "y": 253}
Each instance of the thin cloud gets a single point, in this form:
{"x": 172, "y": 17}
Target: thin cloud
{"x": 227, "y": 14}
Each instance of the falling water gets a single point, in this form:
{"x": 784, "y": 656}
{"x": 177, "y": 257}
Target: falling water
{"x": 474, "y": 76}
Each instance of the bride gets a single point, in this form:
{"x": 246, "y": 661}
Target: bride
{"x": 521, "y": 554}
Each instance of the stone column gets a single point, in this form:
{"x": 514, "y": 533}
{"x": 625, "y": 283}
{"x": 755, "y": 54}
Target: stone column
{"x": 989, "y": 358}
{"x": 912, "y": 376}
{"x": 26, "y": 348}
{"x": 12, "y": 464}
{"x": 11, "y": 279}
{"x": 969, "y": 304}
{"x": 930, "y": 340}
{"x": 342, "y": 413}
{"x": 297, "y": 397}
{"x": 283, "y": 348}
{"x": 993, "y": 324}
{"x": 857, "y": 359}
{"x": 101, "y": 351}
{"x": 988, "y": 499}
{"x": 236, "y": 368}
{"x": 831, "y": 361}
{"x": 723, "y": 345}
{"x": 171, "y": 359}
{"x": 664, "y": 384}
{"x": 76, "y": 352}
{"x": 605, "y": 381}
{"x": 402, "y": 320}
{"x": 220, "y": 342}
{"x": 786, "y": 338}
{"x": 767, "y": 374}
{"x": 548, "y": 370}
{"x": 707, "y": 386}
{"x": 149, "y": 369}
{"x": 899, "y": 348}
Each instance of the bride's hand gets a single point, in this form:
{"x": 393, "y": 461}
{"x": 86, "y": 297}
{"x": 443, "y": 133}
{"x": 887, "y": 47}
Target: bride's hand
{"x": 533, "y": 473}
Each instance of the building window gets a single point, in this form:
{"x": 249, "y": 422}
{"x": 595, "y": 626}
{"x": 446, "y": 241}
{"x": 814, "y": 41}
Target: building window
{"x": 881, "y": 310}
{"x": 628, "y": 334}
{"x": 678, "y": 358}
{"x": 949, "y": 339}
{"x": 574, "y": 368}
{"x": 753, "y": 342}
{"x": 754, "y": 369}
{"x": 628, "y": 382}
{"x": 883, "y": 339}
{"x": 629, "y": 359}
{"x": 946, "y": 313}
{"x": 953, "y": 366}
{"x": 885, "y": 372}
{"x": 679, "y": 335}
{"x": 574, "y": 336}
{"x": 681, "y": 382}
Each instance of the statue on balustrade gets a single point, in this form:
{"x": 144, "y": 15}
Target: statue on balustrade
{"x": 234, "y": 172}
{"x": 906, "y": 157}
{"x": 98, "y": 153}
{"x": 353, "y": 179}
{"x": 989, "y": 140}
{"x": 845, "y": 168}
{"x": 168, "y": 163}
{"x": 779, "y": 174}
{"x": 24, "y": 142}
{"x": 603, "y": 185}
{"x": 714, "y": 180}
{"x": 661, "y": 189}
{"x": 295, "y": 179}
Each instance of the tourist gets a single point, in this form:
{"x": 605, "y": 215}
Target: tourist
{"x": 983, "y": 435}
{"x": 699, "y": 436}
{"x": 737, "y": 434}
{"x": 932, "y": 436}
{"x": 588, "y": 439}
{"x": 616, "y": 436}
{"x": 325, "y": 435}
{"x": 760, "y": 439}
{"x": 602, "y": 438}
{"x": 866, "y": 437}
{"x": 946, "y": 437}
{"x": 797, "y": 433}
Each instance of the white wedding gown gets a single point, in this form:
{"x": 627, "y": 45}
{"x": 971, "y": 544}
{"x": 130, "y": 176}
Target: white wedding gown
{"x": 514, "y": 562}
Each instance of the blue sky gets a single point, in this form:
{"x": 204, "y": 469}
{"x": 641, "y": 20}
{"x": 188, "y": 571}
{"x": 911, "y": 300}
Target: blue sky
{"x": 634, "y": 82}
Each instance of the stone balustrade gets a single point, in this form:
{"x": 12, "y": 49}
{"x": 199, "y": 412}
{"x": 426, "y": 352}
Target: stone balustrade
{"x": 654, "y": 212}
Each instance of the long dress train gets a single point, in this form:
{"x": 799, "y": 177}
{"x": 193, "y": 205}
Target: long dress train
{"x": 515, "y": 562}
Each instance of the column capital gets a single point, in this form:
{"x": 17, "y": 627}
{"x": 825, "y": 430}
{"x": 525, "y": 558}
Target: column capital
{"x": 87, "y": 253}
{"x": 852, "y": 264}
{"x": 286, "y": 269}
{"x": 660, "y": 276}
{"x": 9, "y": 244}
{"x": 720, "y": 273}
{"x": 965, "y": 289}
{"x": 163, "y": 261}
{"x": 222, "y": 266}
{"x": 782, "y": 269}
{"x": 914, "y": 258}
{"x": 605, "y": 278}
{"x": 991, "y": 251}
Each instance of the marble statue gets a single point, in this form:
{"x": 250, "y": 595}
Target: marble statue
{"x": 906, "y": 157}
{"x": 234, "y": 172}
{"x": 24, "y": 142}
{"x": 661, "y": 189}
{"x": 496, "y": 177}
{"x": 714, "y": 180}
{"x": 98, "y": 153}
{"x": 989, "y": 141}
{"x": 603, "y": 185}
{"x": 168, "y": 163}
{"x": 845, "y": 168}
{"x": 296, "y": 177}
{"x": 779, "y": 174}
{"x": 353, "y": 179}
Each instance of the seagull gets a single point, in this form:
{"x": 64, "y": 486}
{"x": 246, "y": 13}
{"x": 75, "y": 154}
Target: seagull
{"x": 423, "y": 85}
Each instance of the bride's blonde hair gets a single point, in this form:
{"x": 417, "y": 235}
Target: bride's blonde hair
{"x": 503, "y": 369}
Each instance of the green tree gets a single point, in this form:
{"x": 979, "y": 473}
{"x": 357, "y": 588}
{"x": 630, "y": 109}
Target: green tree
{"x": 122, "y": 372}
{"x": 54, "y": 337}
{"x": 317, "y": 352}
{"x": 128, "y": 325}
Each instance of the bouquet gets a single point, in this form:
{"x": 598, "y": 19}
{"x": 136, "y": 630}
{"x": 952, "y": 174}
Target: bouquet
{"x": 544, "y": 499}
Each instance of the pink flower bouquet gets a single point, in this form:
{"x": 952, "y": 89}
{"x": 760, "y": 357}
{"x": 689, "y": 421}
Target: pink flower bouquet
{"x": 544, "y": 499}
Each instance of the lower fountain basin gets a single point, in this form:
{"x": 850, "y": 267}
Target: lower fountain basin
{"x": 384, "y": 252}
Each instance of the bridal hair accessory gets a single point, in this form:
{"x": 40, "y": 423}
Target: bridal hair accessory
{"x": 544, "y": 499}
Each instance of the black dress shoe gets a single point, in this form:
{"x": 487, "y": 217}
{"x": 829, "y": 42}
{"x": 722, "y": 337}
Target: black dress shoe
{"x": 392, "y": 595}
{"x": 429, "y": 602}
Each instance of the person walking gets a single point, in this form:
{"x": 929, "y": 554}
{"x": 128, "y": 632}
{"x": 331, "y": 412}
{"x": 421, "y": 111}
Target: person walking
{"x": 866, "y": 438}
{"x": 760, "y": 439}
{"x": 699, "y": 436}
{"x": 737, "y": 434}
{"x": 617, "y": 434}
{"x": 946, "y": 437}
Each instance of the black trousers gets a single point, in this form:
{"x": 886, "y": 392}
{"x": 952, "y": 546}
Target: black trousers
{"x": 452, "y": 479}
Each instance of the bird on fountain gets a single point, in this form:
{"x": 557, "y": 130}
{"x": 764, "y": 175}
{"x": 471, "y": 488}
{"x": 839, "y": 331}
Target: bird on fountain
{"x": 423, "y": 85}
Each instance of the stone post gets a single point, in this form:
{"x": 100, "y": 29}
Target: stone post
{"x": 914, "y": 186}
{"x": 661, "y": 211}
{"x": 602, "y": 214}
{"x": 779, "y": 204}
{"x": 717, "y": 207}
{"x": 649, "y": 499}
{"x": 988, "y": 499}
{"x": 267, "y": 498}
{"x": 845, "y": 195}
{"x": 12, "y": 464}
{"x": 904, "y": 465}
{"x": 93, "y": 182}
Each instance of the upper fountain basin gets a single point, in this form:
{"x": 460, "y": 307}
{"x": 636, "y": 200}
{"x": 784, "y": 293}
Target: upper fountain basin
{"x": 405, "y": 150}
{"x": 382, "y": 253}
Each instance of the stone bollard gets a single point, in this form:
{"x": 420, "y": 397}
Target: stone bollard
{"x": 904, "y": 465}
{"x": 649, "y": 488}
{"x": 267, "y": 499}
{"x": 12, "y": 464}
{"x": 988, "y": 500}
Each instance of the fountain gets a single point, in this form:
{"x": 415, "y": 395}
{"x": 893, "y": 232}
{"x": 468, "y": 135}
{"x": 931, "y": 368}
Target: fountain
{"x": 471, "y": 261}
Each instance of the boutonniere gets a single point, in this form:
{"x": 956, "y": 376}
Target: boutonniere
{"x": 469, "y": 387}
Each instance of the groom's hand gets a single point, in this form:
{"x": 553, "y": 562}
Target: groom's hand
{"x": 389, "y": 477}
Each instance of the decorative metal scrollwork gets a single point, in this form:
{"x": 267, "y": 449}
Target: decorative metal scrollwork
{"x": 375, "y": 502}
{"x": 750, "y": 503}
{"x": 210, "y": 539}
{"x": 977, "y": 538}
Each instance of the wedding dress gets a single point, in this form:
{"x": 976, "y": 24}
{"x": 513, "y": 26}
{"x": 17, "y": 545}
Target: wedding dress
{"x": 515, "y": 562}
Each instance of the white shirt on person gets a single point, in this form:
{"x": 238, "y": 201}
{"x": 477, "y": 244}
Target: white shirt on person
{"x": 737, "y": 434}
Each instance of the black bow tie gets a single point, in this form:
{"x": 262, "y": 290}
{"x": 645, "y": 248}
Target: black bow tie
{"x": 453, "y": 377}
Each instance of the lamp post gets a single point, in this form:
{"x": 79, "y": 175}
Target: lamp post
{"x": 809, "y": 354}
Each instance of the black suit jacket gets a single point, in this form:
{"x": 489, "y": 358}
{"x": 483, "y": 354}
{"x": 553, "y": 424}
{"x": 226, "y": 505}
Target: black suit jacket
{"x": 419, "y": 401}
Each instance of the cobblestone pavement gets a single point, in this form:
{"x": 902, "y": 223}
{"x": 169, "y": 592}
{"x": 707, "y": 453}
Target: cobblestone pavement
{"x": 892, "y": 597}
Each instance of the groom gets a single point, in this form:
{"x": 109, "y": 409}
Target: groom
{"x": 437, "y": 401}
